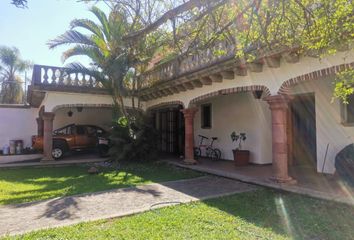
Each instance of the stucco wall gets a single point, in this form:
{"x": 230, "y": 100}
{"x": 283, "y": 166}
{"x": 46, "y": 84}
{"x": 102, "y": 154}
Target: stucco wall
{"x": 272, "y": 78}
{"x": 329, "y": 129}
{"x": 101, "y": 117}
{"x": 53, "y": 100}
{"x": 17, "y": 123}
{"x": 241, "y": 113}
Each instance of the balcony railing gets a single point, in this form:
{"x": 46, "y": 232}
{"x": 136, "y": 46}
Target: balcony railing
{"x": 175, "y": 68}
{"x": 49, "y": 76}
{"x": 60, "y": 77}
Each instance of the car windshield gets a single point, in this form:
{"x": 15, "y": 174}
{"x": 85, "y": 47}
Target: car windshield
{"x": 64, "y": 130}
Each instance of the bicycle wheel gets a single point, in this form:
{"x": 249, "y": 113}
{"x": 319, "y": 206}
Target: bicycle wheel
{"x": 208, "y": 151}
{"x": 218, "y": 153}
{"x": 213, "y": 155}
{"x": 197, "y": 152}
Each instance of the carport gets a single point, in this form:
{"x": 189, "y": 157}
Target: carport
{"x": 99, "y": 115}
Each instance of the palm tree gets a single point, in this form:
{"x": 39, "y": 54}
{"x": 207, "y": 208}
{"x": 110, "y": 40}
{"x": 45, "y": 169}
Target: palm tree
{"x": 11, "y": 65}
{"x": 105, "y": 48}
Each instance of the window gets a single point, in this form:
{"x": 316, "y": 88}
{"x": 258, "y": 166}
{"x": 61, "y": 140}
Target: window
{"x": 348, "y": 111}
{"x": 206, "y": 116}
{"x": 64, "y": 130}
{"x": 91, "y": 131}
{"x": 80, "y": 130}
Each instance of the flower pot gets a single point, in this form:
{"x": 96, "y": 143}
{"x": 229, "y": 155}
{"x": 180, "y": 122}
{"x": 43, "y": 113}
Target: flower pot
{"x": 241, "y": 157}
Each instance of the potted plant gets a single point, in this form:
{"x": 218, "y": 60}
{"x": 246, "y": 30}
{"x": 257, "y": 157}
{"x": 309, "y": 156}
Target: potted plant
{"x": 241, "y": 157}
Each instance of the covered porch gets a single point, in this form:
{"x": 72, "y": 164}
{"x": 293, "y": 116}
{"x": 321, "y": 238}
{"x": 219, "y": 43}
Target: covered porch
{"x": 309, "y": 182}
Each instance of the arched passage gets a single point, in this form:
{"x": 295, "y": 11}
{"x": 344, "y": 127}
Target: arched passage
{"x": 165, "y": 105}
{"x": 239, "y": 109}
{"x": 259, "y": 91}
{"x": 315, "y": 75}
{"x": 100, "y": 115}
{"x": 316, "y": 130}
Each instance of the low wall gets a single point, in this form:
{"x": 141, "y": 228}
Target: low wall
{"x": 6, "y": 159}
{"x": 17, "y": 122}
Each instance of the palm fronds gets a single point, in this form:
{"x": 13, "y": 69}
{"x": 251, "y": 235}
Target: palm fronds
{"x": 71, "y": 37}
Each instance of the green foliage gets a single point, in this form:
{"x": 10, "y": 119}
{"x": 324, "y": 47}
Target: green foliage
{"x": 344, "y": 85}
{"x": 238, "y": 138}
{"x": 134, "y": 143}
{"x": 256, "y": 215}
{"x": 104, "y": 46}
{"x": 11, "y": 92}
{"x": 11, "y": 64}
{"x": 317, "y": 27}
{"x": 31, "y": 184}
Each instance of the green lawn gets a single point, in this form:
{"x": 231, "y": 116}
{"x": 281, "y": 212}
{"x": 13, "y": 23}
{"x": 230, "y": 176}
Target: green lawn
{"x": 262, "y": 214}
{"x": 30, "y": 184}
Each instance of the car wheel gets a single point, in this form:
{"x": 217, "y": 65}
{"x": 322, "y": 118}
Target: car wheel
{"x": 58, "y": 150}
{"x": 57, "y": 153}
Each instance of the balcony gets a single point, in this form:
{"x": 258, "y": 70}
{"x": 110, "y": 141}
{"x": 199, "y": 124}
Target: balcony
{"x": 218, "y": 53}
{"x": 49, "y": 78}
{"x": 56, "y": 78}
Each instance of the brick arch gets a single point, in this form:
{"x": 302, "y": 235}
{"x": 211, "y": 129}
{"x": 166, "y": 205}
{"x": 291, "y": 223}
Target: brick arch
{"x": 315, "y": 75}
{"x": 165, "y": 104}
{"x": 228, "y": 91}
{"x": 81, "y": 105}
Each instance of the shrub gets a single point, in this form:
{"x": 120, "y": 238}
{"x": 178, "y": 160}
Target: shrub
{"x": 134, "y": 143}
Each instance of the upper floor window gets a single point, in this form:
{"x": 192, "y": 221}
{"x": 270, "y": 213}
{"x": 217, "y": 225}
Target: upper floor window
{"x": 348, "y": 111}
{"x": 206, "y": 115}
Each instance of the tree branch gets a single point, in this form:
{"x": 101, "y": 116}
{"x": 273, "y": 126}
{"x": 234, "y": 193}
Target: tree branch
{"x": 169, "y": 15}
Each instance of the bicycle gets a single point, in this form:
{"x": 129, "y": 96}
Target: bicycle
{"x": 210, "y": 151}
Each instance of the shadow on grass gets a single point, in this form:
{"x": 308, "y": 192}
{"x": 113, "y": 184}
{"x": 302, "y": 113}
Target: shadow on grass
{"x": 32, "y": 184}
{"x": 291, "y": 215}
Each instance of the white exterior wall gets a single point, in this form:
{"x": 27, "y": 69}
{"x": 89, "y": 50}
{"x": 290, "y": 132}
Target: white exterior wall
{"x": 329, "y": 129}
{"x": 241, "y": 113}
{"x": 53, "y": 100}
{"x": 17, "y": 124}
{"x": 272, "y": 78}
{"x": 101, "y": 117}
{"x": 328, "y": 119}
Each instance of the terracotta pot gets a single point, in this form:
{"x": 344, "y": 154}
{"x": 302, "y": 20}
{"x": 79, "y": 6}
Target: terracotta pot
{"x": 241, "y": 157}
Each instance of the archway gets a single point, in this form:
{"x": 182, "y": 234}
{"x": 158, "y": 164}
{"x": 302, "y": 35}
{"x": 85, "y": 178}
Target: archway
{"x": 315, "y": 75}
{"x": 259, "y": 91}
{"x": 239, "y": 109}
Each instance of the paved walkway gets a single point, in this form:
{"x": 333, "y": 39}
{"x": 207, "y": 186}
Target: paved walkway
{"x": 309, "y": 182}
{"x": 15, "y": 219}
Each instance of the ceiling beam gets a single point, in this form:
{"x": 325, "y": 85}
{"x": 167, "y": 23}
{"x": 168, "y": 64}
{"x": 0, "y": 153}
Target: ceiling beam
{"x": 228, "y": 75}
{"x": 188, "y": 85}
{"x": 206, "y": 80}
{"x": 197, "y": 83}
{"x": 216, "y": 77}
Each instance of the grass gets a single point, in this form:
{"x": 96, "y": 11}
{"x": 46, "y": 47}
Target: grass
{"x": 262, "y": 214}
{"x": 31, "y": 184}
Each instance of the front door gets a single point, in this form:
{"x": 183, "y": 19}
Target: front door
{"x": 303, "y": 122}
{"x": 170, "y": 125}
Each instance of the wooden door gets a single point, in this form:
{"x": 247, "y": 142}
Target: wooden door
{"x": 303, "y": 122}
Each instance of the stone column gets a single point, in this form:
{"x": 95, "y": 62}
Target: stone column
{"x": 40, "y": 126}
{"x": 48, "y": 118}
{"x": 278, "y": 105}
{"x": 189, "y": 114}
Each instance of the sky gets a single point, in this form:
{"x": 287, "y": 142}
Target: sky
{"x": 30, "y": 29}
